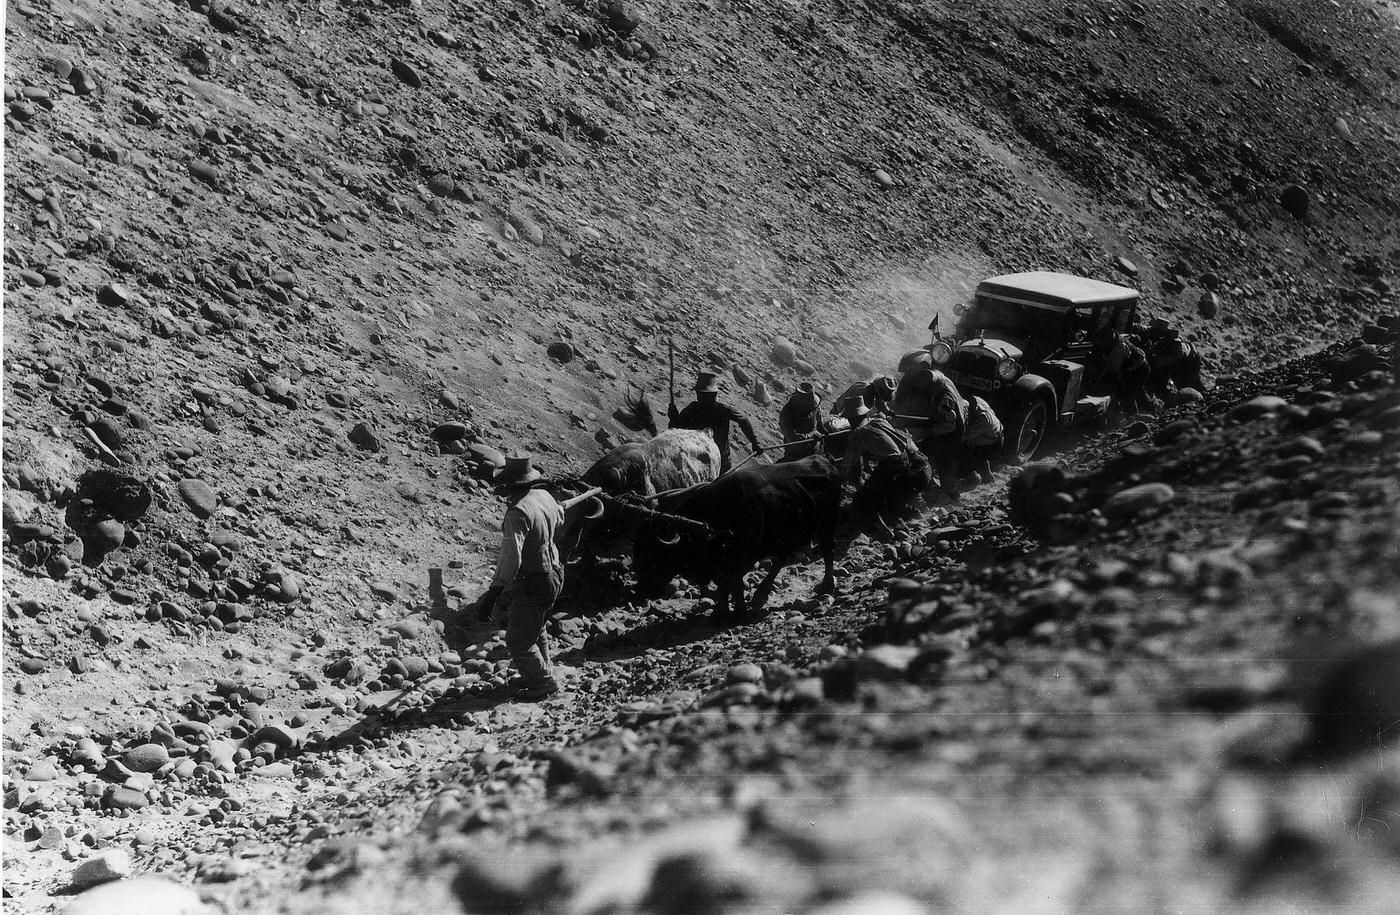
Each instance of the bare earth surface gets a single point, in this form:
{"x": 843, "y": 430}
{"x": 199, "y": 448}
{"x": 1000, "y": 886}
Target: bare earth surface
{"x": 256, "y": 256}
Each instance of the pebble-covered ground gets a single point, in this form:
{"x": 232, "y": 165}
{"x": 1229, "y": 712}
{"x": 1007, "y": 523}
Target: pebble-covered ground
{"x": 284, "y": 280}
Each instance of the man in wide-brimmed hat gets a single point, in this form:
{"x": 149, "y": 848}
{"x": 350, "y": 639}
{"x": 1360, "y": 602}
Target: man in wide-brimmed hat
{"x": 800, "y": 420}
{"x": 898, "y": 470}
{"x": 708, "y": 414}
{"x": 529, "y": 575}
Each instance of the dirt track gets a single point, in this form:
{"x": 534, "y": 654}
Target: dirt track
{"x": 242, "y": 249}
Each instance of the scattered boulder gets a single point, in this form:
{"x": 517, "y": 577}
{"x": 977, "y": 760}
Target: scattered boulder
{"x": 104, "y": 867}
{"x": 1258, "y": 407}
{"x": 441, "y": 185}
{"x": 199, "y": 496}
{"x": 42, "y": 771}
{"x": 450, "y": 432}
{"x": 622, "y": 17}
{"x": 406, "y": 74}
{"x": 885, "y": 662}
{"x": 120, "y": 797}
{"x": 113, "y": 295}
{"x": 747, "y": 672}
{"x": 1357, "y": 362}
{"x": 1208, "y": 305}
{"x": 206, "y": 172}
{"x": 364, "y": 438}
{"x": 528, "y": 228}
{"x": 486, "y": 455}
{"x": 147, "y": 757}
{"x": 1295, "y": 199}
{"x": 1136, "y": 500}
{"x": 1356, "y": 709}
{"x": 143, "y": 895}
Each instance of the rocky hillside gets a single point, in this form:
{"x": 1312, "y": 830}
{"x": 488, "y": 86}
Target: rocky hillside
{"x": 282, "y": 278}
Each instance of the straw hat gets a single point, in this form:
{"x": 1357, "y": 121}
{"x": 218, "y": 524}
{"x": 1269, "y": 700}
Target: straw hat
{"x": 707, "y": 382}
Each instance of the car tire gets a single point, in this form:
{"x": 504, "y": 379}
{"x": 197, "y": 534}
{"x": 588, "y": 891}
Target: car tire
{"x": 1025, "y": 431}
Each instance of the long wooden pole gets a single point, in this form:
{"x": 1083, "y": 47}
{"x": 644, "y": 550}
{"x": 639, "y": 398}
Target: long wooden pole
{"x": 671, "y": 345}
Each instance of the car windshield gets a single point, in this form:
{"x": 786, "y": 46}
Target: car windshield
{"x": 1017, "y": 319}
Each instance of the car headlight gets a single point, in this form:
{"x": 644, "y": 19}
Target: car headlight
{"x": 1007, "y": 369}
{"x": 940, "y": 352}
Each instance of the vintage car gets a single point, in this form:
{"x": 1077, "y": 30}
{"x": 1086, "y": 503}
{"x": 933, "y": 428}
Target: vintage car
{"x": 1021, "y": 345}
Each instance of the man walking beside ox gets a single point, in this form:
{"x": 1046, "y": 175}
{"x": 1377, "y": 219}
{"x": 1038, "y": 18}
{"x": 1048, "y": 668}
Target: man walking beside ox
{"x": 708, "y": 414}
{"x": 529, "y": 576}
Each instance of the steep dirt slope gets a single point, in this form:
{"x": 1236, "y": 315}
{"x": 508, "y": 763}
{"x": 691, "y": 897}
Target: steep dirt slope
{"x": 256, "y": 255}
{"x": 1185, "y": 700}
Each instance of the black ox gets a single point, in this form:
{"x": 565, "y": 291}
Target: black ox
{"x": 759, "y": 512}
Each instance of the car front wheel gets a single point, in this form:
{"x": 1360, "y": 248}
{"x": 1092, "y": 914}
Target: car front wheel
{"x": 1026, "y": 431}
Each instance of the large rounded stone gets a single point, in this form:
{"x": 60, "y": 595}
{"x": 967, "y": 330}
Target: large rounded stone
{"x": 199, "y": 496}
{"x": 139, "y": 896}
{"x": 1135, "y": 500}
{"x": 123, "y": 798}
{"x": 148, "y": 757}
{"x": 1256, "y": 407}
{"x": 1295, "y": 199}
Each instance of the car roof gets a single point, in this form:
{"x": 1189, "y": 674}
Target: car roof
{"x": 1062, "y": 287}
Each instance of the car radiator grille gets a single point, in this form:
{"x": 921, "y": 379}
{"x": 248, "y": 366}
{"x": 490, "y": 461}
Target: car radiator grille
{"x": 978, "y": 365}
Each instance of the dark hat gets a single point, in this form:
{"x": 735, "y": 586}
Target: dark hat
{"x": 854, "y": 392}
{"x": 854, "y": 408}
{"x": 882, "y": 387}
{"x": 707, "y": 382}
{"x": 519, "y": 471}
{"x": 805, "y": 396}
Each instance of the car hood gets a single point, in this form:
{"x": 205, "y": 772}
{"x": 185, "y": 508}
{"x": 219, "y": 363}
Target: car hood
{"x": 995, "y": 346}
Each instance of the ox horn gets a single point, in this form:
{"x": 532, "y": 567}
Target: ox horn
{"x": 668, "y": 535}
{"x": 592, "y": 505}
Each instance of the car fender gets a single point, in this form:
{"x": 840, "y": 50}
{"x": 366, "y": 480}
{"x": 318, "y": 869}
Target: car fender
{"x": 1028, "y": 386}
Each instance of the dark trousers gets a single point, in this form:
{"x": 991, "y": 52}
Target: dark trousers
{"x": 893, "y": 482}
{"x": 1130, "y": 390}
{"x": 943, "y": 451}
{"x": 526, "y": 604}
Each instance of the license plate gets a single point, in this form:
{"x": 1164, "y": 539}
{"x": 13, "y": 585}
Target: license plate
{"x": 970, "y": 381}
